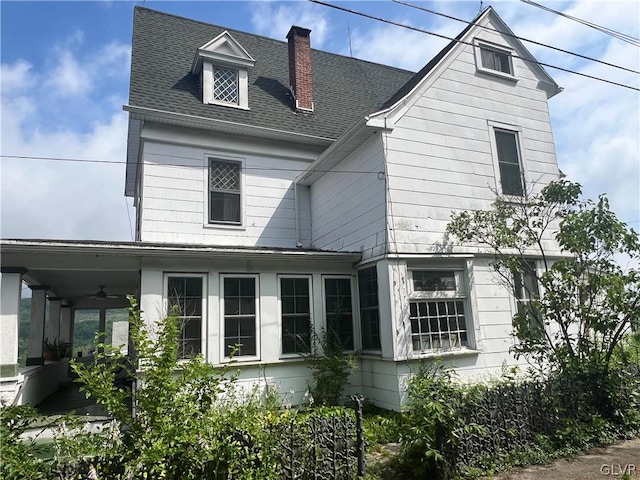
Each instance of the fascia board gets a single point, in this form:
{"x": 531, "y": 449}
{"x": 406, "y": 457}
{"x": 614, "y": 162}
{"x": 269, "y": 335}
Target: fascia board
{"x": 399, "y": 108}
{"x": 532, "y": 62}
{"x": 139, "y": 249}
{"x": 339, "y": 146}
{"x": 163, "y": 116}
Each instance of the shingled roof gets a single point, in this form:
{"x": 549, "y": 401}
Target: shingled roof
{"x": 345, "y": 89}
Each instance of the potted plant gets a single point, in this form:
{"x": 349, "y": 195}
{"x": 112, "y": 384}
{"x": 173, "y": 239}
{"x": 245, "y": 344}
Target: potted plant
{"x": 54, "y": 350}
{"x": 50, "y": 350}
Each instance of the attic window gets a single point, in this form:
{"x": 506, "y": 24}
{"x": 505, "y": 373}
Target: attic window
{"x": 225, "y": 85}
{"x": 223, "y": 65}
{"x": 494, "y": 59}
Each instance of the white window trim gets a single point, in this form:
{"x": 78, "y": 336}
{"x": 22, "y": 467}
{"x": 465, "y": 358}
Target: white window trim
{"x": 479, "y": 44}
{"x": 493, "y": 126}
{"x": 311, "y": 308}
{"x": 207, "y": 205}
{"x": 355, "y": 328}
{"x": 458, "y": 273}
{"x": 461, "y": 293}
{"x": 243, "y": 358}
{"x": 356, "y": 301}
{"x": 165, "y": 304}
{"x": 207, "y": 86}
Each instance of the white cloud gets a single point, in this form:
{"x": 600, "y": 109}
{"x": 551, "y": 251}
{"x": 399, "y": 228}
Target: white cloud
{"x": 275, "y": 20}
{"x": 16, "y": 77}
{"x": 69, "y": 77}
{"x": 54, "y": 199}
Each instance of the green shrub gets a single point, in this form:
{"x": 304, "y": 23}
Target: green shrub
{"x": 191, "y": 420}
{"x": 20, "y": 459}
{"x": 330, "y": 367}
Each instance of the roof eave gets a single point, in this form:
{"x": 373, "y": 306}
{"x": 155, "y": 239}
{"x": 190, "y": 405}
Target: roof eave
{"x": 142, "y": 114}
{"x": 142, "y": 249}
{"x": 339, "y": 150}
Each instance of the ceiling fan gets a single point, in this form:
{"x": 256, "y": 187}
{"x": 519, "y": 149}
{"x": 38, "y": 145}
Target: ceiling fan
{"x": 101, "y": 294}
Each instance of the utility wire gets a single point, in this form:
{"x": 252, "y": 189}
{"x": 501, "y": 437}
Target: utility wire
{"x": 620, "y": 36}
{"x": 450, "y": 17}
{"x": 178, "y": 165}
{"x": 416, "y": 29}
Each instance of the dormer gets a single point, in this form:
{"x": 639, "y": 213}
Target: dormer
{"x": 223, "y": 65}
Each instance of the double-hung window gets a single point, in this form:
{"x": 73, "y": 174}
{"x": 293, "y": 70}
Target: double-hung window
{"x": 509, "y": 165}
{"x": 527, "y": 293}
{"x": 185, "y": 300}
{"x": 240, "y": 307}
{"x": 224, "y": 192}
{"x": 295, "y": 307}
{"x": 339, "y": 312}
{"x": 369, "y": 311}
{"x": 437, "y": 310}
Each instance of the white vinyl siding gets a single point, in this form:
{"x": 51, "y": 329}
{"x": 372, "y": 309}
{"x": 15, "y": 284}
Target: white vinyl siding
{"x": 348, "y": 208}
{"x": 439, "y": 156}
{"x": 176, "y": 193}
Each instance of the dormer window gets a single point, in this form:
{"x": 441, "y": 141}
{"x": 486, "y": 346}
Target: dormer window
{"x": 225, "y": 85}
{"x": 494, "y": 59}
{"x": 224, "y": 67}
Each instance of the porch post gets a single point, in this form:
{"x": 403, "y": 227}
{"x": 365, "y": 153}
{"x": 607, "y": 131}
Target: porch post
{"x": 10, "y": 295}
{"x": 102, "y": 324}
{"x": 65, "y": 323}
{"x": 55, "y": 304}
{"x": 36, "y": 325}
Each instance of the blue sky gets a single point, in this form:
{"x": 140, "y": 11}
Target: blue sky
{"x": 65, "y": 68}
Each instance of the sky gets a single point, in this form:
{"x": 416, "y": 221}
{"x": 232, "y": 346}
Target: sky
{"x": 65, "y": 73}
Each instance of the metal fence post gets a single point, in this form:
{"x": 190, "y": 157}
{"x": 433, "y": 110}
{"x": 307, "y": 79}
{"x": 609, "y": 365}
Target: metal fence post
{"x": 359, "y": 401}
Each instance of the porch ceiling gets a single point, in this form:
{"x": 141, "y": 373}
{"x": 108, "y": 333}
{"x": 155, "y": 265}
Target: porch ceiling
{"x": 75, "y": 270}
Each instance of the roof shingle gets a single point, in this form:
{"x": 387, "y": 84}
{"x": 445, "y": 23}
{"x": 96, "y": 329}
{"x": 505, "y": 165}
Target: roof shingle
{"x": 345, "y": 89}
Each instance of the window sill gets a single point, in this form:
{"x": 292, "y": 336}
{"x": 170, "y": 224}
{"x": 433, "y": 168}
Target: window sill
{"x": 227, "y": 104}
{"x": 444, "y": 353}
{"x": 225, "y": 226}
{"x": 240, "y": 360}
{"x": 496, "y": 73}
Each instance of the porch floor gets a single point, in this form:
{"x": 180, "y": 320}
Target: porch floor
{"x": 69, "y": 399}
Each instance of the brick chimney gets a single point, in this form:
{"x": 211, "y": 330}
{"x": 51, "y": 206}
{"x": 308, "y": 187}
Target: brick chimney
{"x": 300, "y": 75}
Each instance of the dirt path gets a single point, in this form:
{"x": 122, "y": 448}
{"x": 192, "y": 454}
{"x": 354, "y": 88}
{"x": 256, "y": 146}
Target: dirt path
{"x": 600, "y": 463}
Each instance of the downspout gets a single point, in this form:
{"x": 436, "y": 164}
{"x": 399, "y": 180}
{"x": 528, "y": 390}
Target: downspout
{"x": 296, "y": 201}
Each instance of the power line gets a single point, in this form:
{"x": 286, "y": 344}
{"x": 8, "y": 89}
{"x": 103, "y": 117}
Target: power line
{"x": 416, "y": 29}
{"x": 608, "y": 31}
{"x": 179, "y": 165}
{"x": 450, "y": 17}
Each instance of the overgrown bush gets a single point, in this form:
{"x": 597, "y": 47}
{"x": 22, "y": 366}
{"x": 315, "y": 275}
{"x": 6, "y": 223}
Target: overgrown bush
{"x": 191, "y": 420}
{"x": 454, "y": 430}
{"x": 330, "y": 367}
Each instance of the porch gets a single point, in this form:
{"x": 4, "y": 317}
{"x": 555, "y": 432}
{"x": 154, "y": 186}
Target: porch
{"x": 65, "y": 279}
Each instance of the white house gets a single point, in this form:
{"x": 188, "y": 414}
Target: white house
{"x": 281, "y": 189}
